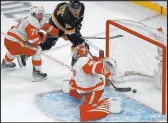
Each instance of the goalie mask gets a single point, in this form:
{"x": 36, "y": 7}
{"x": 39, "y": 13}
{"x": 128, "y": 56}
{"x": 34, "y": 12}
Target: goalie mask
{"x": 111, "y": 65}
{"x": 80, "y": 51}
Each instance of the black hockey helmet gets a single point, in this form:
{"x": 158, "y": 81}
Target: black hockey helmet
{"x": 75, "y": 4}
{"x": 75, "y": 7}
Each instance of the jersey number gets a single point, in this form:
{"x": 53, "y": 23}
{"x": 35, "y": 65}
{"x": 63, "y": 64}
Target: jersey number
{"x": 61, "y": 10}
{"x": 34, "y": 31}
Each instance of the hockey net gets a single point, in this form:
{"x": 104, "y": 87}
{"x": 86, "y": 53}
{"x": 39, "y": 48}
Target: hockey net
{"x": 138, "y": 51}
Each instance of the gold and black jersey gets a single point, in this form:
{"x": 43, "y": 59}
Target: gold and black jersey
{"x": 65, "y": 21}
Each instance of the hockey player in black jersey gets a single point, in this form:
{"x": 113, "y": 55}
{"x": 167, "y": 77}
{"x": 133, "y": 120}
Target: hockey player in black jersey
{"x": 67, "y": 17}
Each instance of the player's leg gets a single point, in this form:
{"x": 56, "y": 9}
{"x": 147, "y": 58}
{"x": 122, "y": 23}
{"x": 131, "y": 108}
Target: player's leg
{"x": 37, "y": 61}
{"x": 7, "y": 61}
{"x": 94, "y": 108}
{"x": 96, "y": 111}
{"x": 13, "y": 50}
{"x": 36, "y": 53}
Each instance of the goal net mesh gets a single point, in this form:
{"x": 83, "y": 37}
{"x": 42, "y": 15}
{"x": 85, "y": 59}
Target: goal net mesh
{"x": 136, "y": 58}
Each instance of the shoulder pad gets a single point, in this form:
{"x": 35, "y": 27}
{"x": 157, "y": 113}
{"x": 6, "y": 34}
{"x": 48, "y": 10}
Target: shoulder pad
{"x": 34, "y": 22}
{"x": 82, "y": 61}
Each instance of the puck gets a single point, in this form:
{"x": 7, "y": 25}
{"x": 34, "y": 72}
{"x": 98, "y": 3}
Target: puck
{"x": 134, "y": 90}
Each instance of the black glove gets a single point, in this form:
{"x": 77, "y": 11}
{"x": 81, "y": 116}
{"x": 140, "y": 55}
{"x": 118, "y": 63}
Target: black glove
{"x": 79, "y": 34}
{"x": 78, "y": 28}
{"x": 87, "y": 45}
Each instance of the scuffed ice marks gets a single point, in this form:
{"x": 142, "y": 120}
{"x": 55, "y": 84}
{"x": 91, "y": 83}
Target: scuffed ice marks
{"x": 18, "y": 10}
{"x": 62, "y": 103}
{"x": 62, "y": 107}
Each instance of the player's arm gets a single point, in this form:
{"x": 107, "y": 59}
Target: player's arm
{"x": 73, "y": 36}
{"x": 49, "y": 29}
{"x": 78, "y": 24}
{"x": 70, "y": 30}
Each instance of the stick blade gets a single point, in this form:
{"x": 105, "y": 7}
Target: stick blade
{"x": 123, "y": 89}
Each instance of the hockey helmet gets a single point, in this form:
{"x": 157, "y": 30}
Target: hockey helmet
{"x": 75, "y": 7}
{"x": 75, "y": 4}
{"x": 36, "y": 9}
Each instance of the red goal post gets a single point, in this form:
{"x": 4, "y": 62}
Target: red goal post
{"x": 118, "y": 25}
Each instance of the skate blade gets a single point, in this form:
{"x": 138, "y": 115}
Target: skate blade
{"x": 37, "y": 80}
{"x": 8, "y": 68}
{"x": 21, "y": 65}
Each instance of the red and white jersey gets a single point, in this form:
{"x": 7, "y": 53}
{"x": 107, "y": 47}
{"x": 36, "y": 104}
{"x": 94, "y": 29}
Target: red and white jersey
{"x": 87, "y": 72}
{"x": 27, "y": 30}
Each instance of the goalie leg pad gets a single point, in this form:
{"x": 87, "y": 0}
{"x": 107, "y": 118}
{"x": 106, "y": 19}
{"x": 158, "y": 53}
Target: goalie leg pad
{"x": 65, "y": 85}
{"x": 96, "y": 111}
{"x": 93, "y": 97}
{"x": 115, "y": 105}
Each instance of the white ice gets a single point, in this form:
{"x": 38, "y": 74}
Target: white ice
{"x": 17, "y": 90}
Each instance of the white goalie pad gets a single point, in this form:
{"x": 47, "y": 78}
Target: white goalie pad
{"x": 65, "y": 85}
{"x": 115, "y": 105}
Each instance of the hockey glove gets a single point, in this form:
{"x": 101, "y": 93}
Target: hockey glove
{"x": 87, "y": 45}
{"x": 65, "y": 36}
{"x": 78, "y": 28}
{"x": 43, "y": 36}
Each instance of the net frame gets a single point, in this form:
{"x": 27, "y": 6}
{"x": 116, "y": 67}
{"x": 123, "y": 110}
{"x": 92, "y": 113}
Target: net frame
{"x": 162, "y": 46}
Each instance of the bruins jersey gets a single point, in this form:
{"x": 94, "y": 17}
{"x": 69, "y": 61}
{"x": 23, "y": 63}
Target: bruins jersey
{"x": 66, "y": 22}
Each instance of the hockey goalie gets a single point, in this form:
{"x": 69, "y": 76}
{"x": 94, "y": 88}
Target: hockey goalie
{"x": 88, "y": 81}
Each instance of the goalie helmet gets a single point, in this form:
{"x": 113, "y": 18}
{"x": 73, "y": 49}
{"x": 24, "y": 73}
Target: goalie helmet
{"x": 36, "y": 9}
{"x": 111, "y": 64}
{"x": 80, "y": 51}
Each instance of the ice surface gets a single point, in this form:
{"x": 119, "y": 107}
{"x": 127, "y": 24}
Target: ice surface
{"x": 17, "y": 90}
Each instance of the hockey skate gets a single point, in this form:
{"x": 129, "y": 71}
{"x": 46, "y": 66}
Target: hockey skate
{"x": 22, "y": 60}
{"x": 7, "y": 66}
{"x": 38, "y": 75}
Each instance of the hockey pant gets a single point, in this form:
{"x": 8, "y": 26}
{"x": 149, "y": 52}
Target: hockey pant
{"x": 16, "y": 48}
{"x": 92, "y": 107}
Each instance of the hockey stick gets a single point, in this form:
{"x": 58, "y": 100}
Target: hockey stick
{"x": 127, "y": 89}
{"x": 116, "y": 36}
{"x": 113, "y": 37}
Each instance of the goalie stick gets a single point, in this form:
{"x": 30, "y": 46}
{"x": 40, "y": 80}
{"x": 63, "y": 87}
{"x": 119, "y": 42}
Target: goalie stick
{"x": 126, "y": 89}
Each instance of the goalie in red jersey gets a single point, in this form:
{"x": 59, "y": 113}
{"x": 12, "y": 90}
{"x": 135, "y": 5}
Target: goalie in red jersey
{"x": 89, "y": 77}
